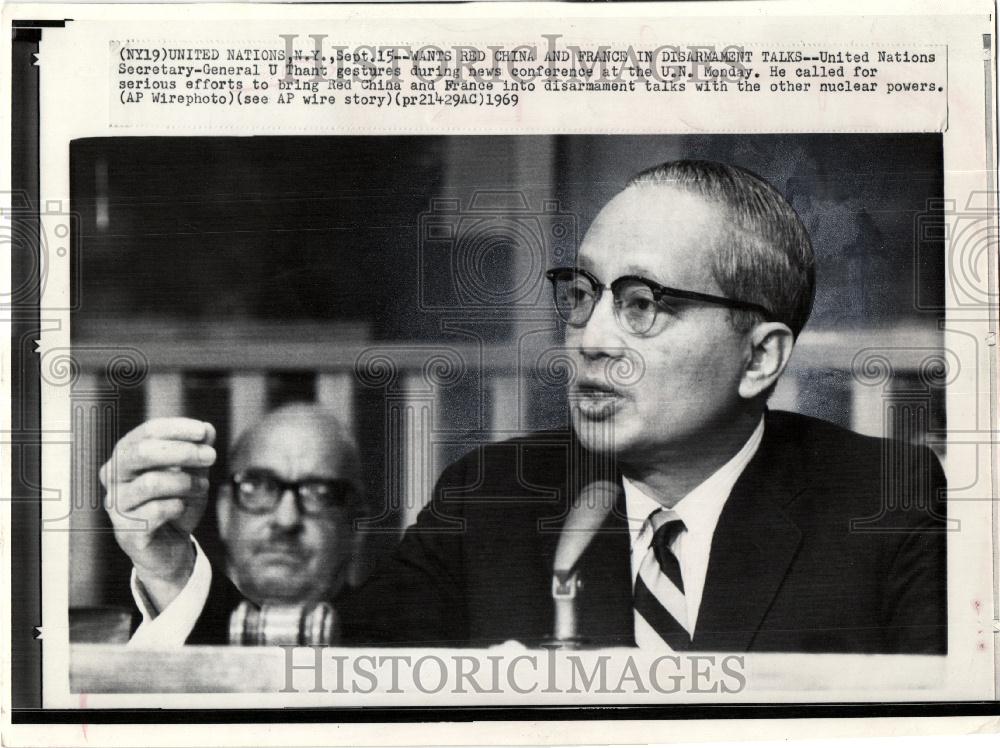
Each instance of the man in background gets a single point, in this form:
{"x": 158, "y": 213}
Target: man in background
{"x": 285, "y": 511}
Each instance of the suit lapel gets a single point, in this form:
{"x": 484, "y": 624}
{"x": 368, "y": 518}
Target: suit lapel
{"x": 605, "y": 604}
{"x": 753, "y": 546}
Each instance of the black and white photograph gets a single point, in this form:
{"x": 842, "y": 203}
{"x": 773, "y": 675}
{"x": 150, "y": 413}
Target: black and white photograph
{"x": 481, "y": 373}
{"x": 614, "y": 391}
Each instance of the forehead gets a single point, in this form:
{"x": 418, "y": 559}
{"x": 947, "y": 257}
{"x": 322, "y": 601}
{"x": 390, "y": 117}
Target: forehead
{"x": 664, "y": 233}
{"x": 293, "y": 448}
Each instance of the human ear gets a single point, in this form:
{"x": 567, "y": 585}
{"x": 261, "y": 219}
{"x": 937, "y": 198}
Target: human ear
{"x": 771, "y": 345}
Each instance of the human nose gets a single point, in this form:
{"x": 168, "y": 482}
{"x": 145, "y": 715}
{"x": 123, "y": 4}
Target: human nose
{"x": 286, "y": 513}
{"x": 601, "y": 336}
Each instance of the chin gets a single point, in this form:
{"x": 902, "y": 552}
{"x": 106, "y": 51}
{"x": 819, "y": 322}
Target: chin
{"x": 607, "y": 436}
{"x": 281, "y": 595}
{"x": 279, "y": 587}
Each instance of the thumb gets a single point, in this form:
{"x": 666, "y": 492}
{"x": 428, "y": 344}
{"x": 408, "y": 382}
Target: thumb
{"x": 194, "y": 510}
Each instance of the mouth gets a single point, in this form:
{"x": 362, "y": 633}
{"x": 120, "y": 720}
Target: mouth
{"x": 278, "y": 555}
{"x": 596, "y": 400}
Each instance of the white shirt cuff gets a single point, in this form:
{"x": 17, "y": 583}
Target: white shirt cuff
{"x": 172, "y": 625}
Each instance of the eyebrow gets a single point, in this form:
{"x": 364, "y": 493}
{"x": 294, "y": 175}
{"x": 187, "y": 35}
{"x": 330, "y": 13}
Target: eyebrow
{"x": 301, "y": 479}
{"x": 584, "y": 264}
{"x": 641, "y": 272}
{"x": 328, "y": 478}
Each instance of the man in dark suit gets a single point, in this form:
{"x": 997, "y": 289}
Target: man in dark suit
{"x": 785, "y": 533}
{"x": 786, "y": 572}
{"x": 714, "y": 523}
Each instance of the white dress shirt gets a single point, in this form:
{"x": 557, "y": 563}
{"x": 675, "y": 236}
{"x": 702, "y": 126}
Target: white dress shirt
{"x": 700, "y": 510}
{"x": 172, "y": 626}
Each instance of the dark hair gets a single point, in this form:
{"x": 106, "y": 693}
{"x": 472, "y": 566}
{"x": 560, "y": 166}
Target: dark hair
{"x": 768, "y": 258}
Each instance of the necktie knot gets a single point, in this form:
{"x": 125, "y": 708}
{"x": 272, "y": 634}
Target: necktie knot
{"x": 668, "y": 527}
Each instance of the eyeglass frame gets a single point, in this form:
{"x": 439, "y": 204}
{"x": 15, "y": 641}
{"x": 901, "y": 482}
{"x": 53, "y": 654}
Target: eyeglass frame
{"x": 295, "y": 487}
{"x": 658, "y": 290}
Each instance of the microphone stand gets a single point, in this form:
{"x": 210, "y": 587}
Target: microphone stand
{"x": 586, "y": 515}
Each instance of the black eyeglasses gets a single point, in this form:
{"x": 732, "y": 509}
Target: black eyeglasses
{"x": 638, "y": 300}
{"x": 260, "y": 491}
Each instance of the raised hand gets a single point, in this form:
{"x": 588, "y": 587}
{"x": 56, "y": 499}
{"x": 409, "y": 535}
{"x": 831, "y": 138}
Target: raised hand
{"x": 157, "y": 490}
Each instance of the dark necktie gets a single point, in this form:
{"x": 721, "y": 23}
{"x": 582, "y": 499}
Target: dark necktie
{"x": 661, "y": 618}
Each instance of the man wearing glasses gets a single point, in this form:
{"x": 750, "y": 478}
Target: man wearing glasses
{"x": 716, "y": 524}
{"x": 285, "y": 515}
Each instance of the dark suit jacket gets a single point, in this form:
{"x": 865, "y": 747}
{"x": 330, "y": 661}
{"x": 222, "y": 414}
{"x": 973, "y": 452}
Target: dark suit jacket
{"x": 829, "y": 542}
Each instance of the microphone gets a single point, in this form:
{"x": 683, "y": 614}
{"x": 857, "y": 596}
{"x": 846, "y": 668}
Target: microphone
{"x": 304, "y": 625}
{"x": 587, "y": 513}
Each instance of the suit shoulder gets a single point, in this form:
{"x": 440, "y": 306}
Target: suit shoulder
{"x": 809, "y": 429}
{"x": 537, "y": 446}
{"x": 531, "y": 470}
{"x": 814, "y": 438}
{"x": 853, "y": 472}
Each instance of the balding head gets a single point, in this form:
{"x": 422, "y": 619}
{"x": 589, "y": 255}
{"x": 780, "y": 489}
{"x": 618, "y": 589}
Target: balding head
{"x": 303, "y": 435}
{"x": 293, "y": 553}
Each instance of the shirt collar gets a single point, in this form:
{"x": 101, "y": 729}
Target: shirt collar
{"x": 701, "y": 507}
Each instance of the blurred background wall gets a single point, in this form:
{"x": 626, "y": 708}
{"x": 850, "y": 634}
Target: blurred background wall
{"x": 399, "y": 280}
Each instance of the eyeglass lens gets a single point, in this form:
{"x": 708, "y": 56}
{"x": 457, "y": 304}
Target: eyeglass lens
{"x": 576, "y": 296}
{"x": 261, "y": 492}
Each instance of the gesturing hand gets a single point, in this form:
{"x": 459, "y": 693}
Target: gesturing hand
{"x": 157, "y": 491}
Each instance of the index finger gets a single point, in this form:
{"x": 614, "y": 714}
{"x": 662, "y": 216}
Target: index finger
{"x": 172, "y": 429}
